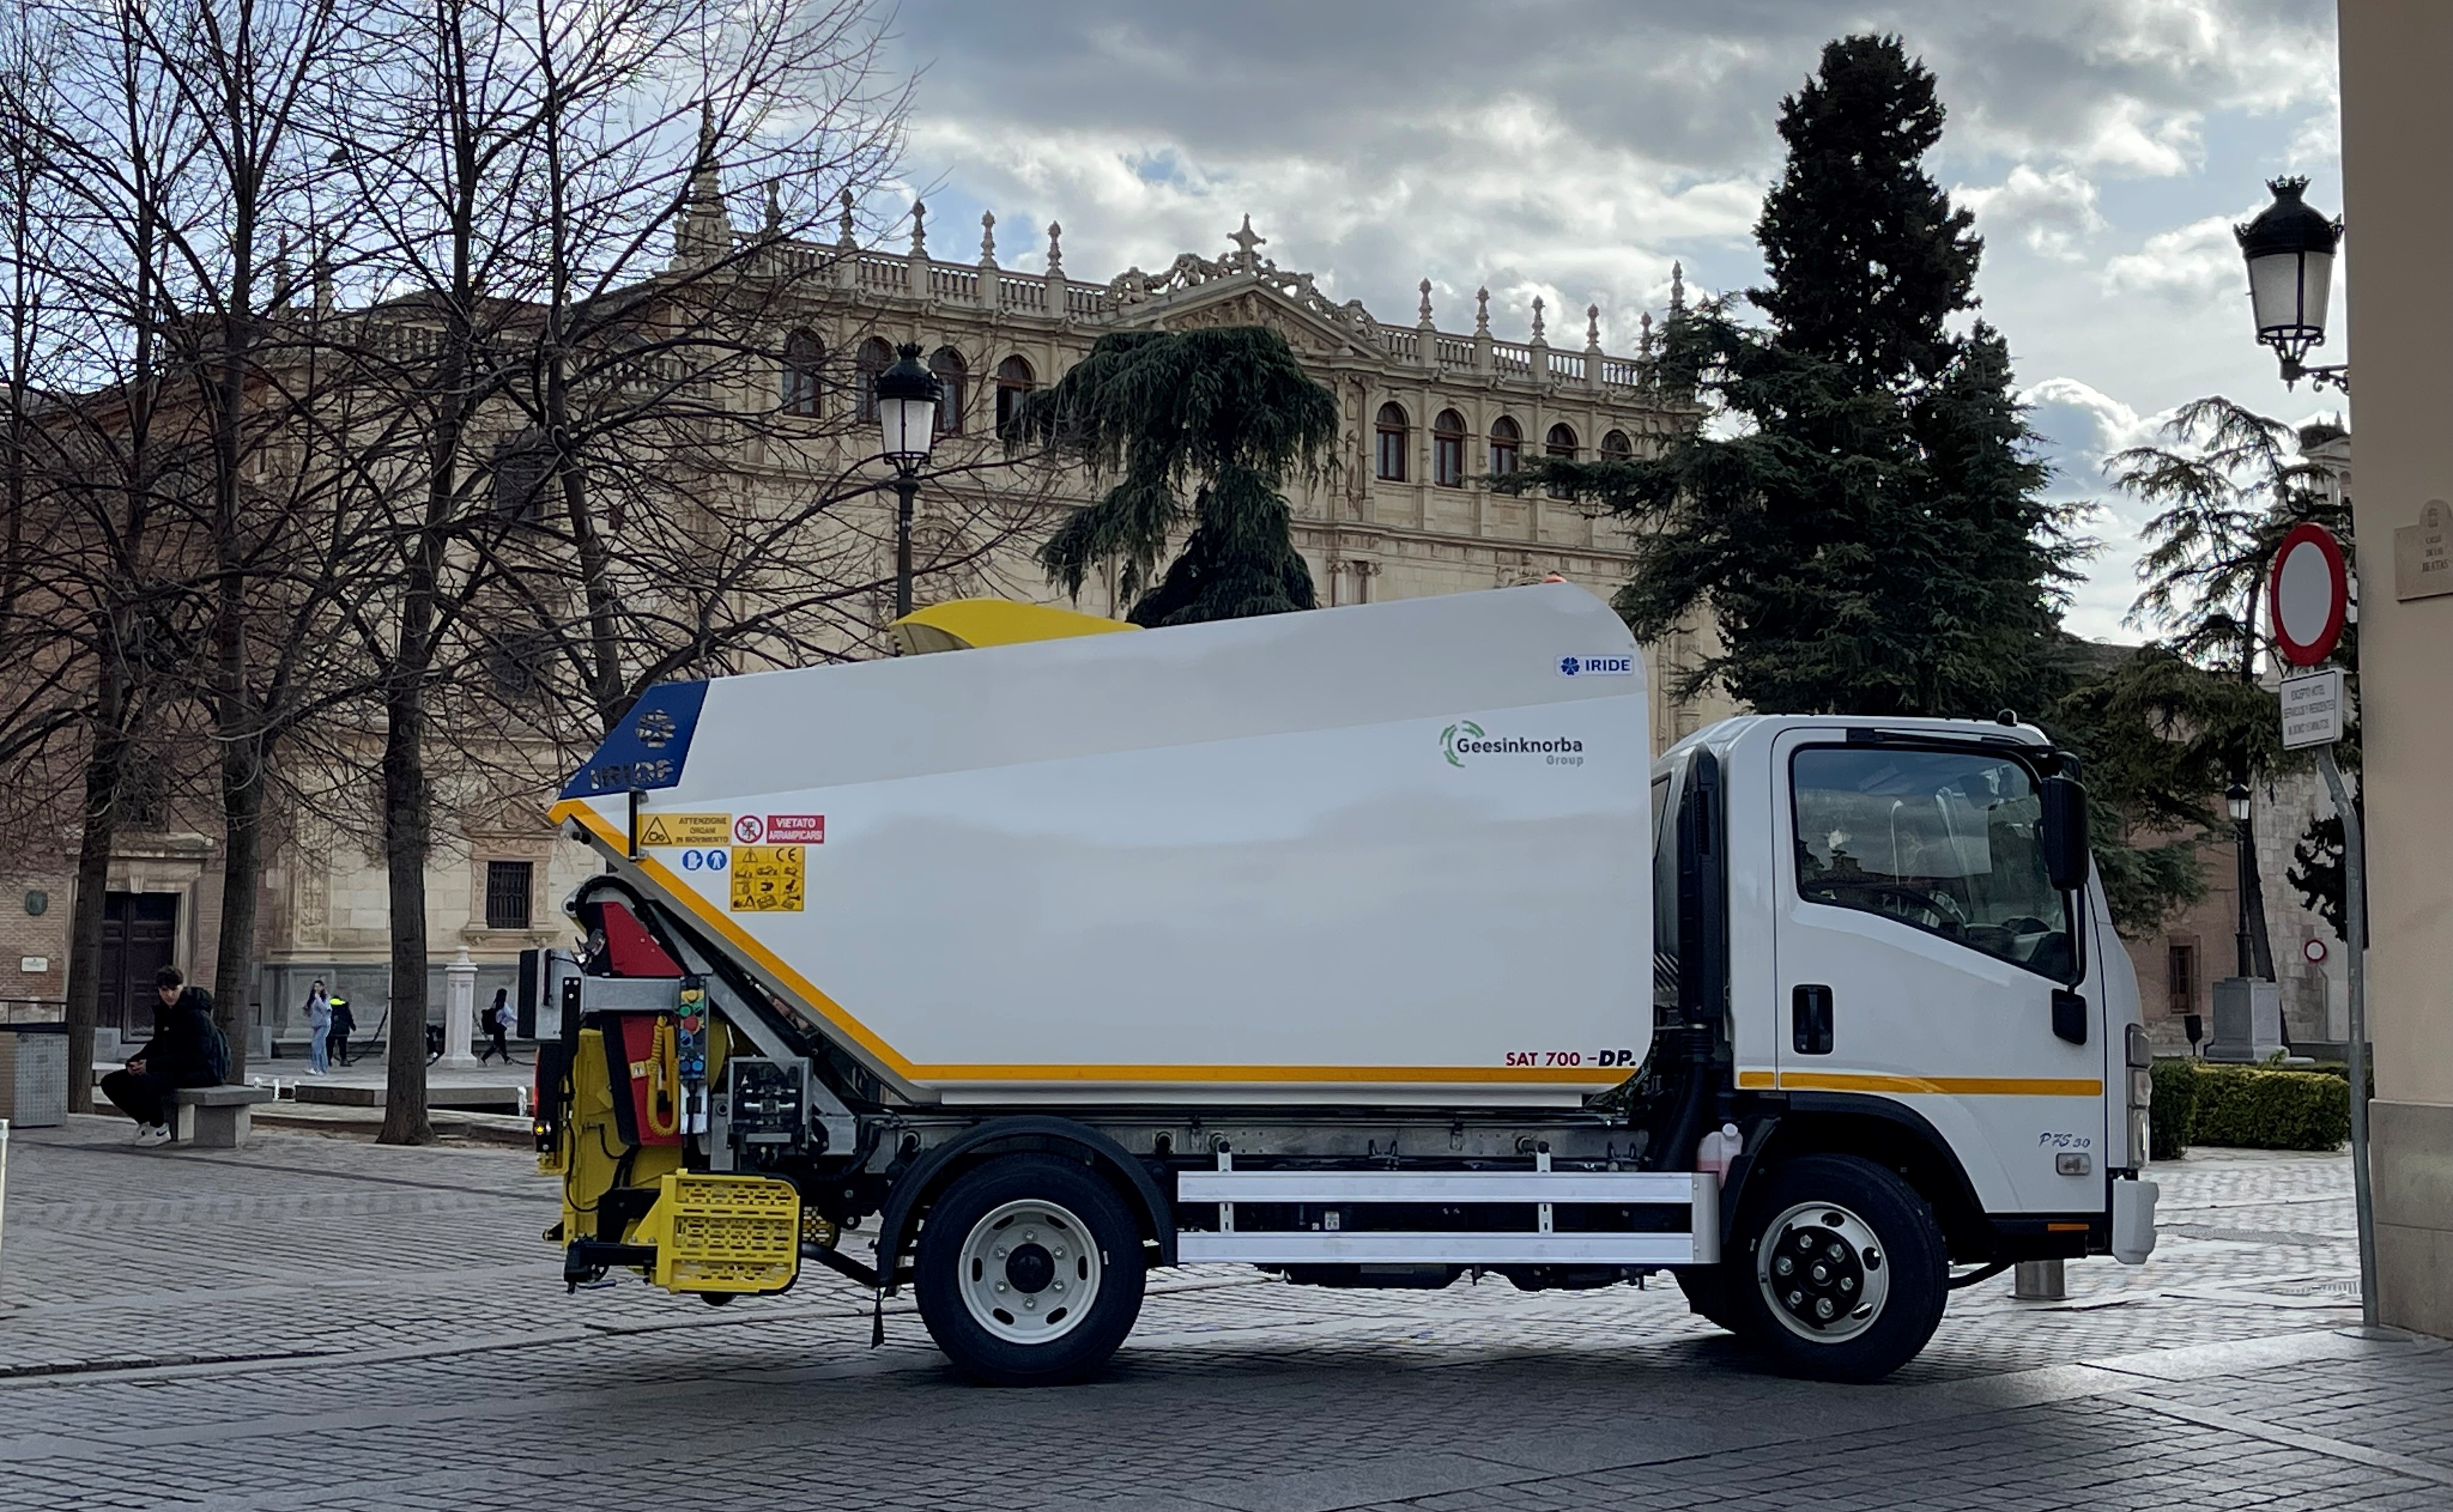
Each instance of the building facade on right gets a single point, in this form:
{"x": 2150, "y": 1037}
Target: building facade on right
{"x": 2397, "y": 199}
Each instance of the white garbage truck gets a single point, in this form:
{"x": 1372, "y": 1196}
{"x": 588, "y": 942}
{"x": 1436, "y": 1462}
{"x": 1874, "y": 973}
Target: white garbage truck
{"x": 1372, "y": 946}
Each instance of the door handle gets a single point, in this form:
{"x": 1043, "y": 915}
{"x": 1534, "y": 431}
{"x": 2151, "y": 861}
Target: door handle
{"x": 1809, "y": 1019}
{"x": 2069, "y": 1016}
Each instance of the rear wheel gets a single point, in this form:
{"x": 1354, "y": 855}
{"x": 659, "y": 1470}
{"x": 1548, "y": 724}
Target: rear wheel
{"x": 1029, "y": 1271}
{"x": 1842, "y": 1272}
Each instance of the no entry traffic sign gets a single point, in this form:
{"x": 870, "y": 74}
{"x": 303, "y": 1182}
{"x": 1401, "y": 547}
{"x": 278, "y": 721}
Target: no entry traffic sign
{"x": 2310, "y": 591}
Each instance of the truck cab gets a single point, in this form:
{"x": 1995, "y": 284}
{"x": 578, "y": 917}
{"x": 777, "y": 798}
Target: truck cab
{"x": 1910, "y": 974}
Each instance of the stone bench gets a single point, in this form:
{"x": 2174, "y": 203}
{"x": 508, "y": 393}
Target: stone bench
{"x": 213, "y": 1117}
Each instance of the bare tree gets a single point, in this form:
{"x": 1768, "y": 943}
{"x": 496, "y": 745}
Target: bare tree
{"x": 589, "y": 318}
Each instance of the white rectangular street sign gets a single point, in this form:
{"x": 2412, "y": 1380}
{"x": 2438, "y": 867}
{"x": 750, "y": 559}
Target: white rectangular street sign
{"x": 2312, "y": 708}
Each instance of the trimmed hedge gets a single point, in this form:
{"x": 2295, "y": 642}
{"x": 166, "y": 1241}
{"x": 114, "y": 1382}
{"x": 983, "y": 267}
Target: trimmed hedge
{"x": 2272, "y": 1110}
{"x": 2173, "y": 1110}
{"x": 2250, "y": 1106}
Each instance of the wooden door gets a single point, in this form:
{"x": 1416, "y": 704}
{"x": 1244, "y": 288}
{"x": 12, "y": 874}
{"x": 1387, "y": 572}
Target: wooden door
{"x": 137, "y": 928}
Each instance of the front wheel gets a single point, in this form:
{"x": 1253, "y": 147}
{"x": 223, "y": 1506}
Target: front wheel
{"x": 1842, "y": 1271}
{"x": 1029, "y": 1271}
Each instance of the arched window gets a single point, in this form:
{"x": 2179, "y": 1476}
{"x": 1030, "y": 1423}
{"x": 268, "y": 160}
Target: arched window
{"x": 1391, "y": 455}
{"x": 1014, "y": 379}
{"x": 1506, "y": 444}
{"x": 1561, "y": 443}
{"x": 802, "y": 355}
{"x": 876, "y": 356}
{"x": 952, "y": 370}
{"x": 1616, "y": 447}
{"x": 1447, "y": 450}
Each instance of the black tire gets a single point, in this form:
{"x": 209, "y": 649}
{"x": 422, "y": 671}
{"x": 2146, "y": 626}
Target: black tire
{"x": 1849, "y": 1231}
{"x": 1107, "y": 1261}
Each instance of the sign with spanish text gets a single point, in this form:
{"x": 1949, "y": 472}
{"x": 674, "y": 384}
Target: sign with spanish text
{"x": 2312, "y": 710}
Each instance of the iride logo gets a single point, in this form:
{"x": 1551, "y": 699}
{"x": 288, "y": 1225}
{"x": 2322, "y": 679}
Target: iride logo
{"x": 1597, "y": 667}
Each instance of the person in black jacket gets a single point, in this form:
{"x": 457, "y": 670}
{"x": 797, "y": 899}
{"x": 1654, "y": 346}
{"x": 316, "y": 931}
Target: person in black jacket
{"x": 344, "y": 1024}
{"x": 186, "y": 1051}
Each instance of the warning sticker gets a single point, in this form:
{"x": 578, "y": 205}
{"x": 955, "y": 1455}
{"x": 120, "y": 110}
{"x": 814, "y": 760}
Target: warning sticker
{"x": 685, "y": 829}
{"x": 800, "y": 829}
{"x": 767, "y": 879}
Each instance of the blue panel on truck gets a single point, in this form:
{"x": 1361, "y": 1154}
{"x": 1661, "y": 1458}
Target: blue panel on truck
{"x": 647, "y": 748}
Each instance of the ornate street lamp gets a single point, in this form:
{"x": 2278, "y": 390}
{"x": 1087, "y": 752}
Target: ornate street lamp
{"x": 2236, "y": 803}
{"x": 2289, "y": 248}
{"x": 908, "y": 394}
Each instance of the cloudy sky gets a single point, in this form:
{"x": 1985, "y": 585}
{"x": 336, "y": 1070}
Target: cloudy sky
{"x": 1574, "y": 149}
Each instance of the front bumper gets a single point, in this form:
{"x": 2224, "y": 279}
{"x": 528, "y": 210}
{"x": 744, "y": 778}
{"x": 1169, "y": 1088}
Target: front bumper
{"x": 2133, "y": 1219}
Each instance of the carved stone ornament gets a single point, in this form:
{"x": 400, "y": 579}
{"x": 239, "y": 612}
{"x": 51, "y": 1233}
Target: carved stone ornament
{"x": 1189, "y": 270}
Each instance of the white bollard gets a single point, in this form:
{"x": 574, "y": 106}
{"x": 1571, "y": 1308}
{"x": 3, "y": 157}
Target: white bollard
{"x": 4, "y": 1175}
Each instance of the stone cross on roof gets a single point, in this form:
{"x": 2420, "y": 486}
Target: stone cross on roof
{"x": 1245, "y": 239}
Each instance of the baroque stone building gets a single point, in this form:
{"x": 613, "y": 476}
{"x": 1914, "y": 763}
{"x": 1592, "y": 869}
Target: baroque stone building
{"x": 1426, "y": 414}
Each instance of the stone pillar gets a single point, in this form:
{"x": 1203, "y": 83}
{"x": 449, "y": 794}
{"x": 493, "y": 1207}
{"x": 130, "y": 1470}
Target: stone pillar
{"x": 918, "y": 260}
{"x": 1482, "y": 329}
{"x": 459, "y": 1011}
{"x": 2398, "y": 200}
{"x": 989, "y": 289}
{"x": 1056, "y": 306}
{"x": 846, "y": 250}
{"x": 1540, "y": 348}
{"x": 1593, "y": 357}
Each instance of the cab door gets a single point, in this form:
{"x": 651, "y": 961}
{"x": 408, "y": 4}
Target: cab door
{"x": 1922, "y": 955}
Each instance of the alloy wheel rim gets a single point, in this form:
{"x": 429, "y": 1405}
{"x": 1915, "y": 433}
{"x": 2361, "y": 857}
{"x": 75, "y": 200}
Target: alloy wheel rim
{"x": 1823, "y": 1272}
{"x": 1029, "y": 1271}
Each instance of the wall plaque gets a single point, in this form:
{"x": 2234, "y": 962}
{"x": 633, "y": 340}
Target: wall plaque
{"x": 2422, "y": 553}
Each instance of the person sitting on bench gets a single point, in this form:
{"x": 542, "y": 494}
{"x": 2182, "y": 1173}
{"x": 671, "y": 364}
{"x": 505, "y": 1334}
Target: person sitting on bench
{"x": 186, "y": 1051}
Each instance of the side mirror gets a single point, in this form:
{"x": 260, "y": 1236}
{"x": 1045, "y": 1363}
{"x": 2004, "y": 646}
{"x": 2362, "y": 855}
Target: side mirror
{"x": 2064, "y": 832}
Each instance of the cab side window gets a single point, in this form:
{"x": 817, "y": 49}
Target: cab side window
{"x": 1946, "y": 842}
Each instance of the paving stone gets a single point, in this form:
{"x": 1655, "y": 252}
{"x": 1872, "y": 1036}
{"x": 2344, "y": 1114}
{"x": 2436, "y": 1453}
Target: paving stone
{"x": 312, "y": 1323}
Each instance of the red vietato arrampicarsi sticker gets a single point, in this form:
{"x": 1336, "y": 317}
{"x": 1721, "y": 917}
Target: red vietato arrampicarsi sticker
{"x": 796, "y": 829}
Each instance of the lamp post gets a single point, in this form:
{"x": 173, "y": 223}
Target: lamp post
{"x": 908, "y": 394}
{"x": 2289, "y": 249}
{"x": 2236, "y": 803}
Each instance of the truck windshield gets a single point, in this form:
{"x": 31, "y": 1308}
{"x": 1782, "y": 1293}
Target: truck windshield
{"x": 1946, "y": 842}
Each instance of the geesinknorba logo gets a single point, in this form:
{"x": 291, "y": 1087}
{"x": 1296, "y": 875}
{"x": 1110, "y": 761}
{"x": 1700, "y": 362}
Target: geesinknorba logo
{"x": 1464, "y": 738}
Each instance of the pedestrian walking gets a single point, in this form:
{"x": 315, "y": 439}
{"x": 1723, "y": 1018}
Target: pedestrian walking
{"x": 498, "y": 1027}
{"x": 344, "y": 1024}
{"x": 186, "y": 1051}
{"x": 319, "y": 1029}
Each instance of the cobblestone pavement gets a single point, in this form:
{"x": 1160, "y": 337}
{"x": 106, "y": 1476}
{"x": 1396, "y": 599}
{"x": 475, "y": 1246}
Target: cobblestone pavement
{"x": 316, "y": 1323}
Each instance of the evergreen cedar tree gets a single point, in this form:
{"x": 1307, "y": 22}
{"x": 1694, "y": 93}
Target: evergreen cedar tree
{"x": 1227, "y": 413}
{"x": 2167, "y": 728}
{"x": 1872, "y": 541}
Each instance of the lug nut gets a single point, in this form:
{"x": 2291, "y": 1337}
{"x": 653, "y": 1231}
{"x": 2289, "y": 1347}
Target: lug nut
{"x": 1000, "y": 1285}
{"x": 1822, "y": 1309}
{"x": 1820, "y": 1272}
{"x": 1783, "y": 1267}
{"x": 1847, "y": 1284}
{"x": 1031, "y": 1303}
{"x": 1797, "y": 1299}
{"x": 1000, "y": 1252}
{"x": 1056, "y": 1287}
